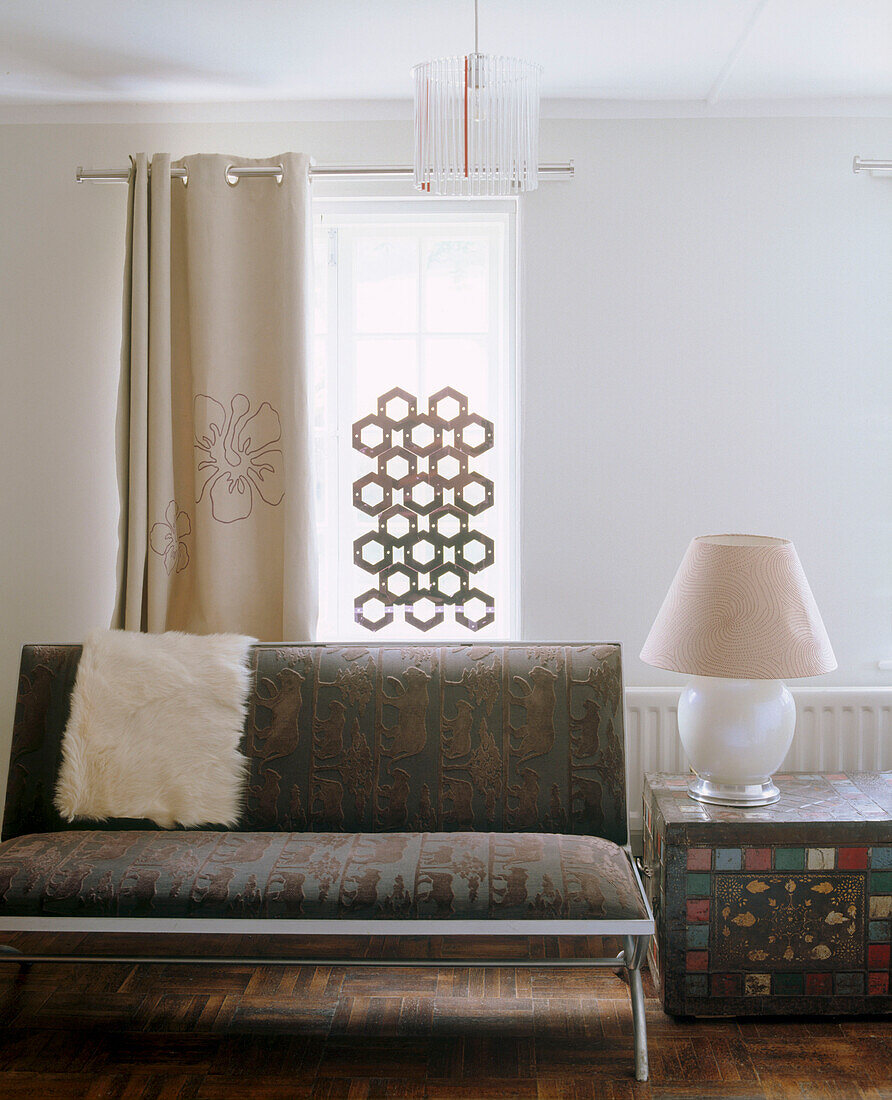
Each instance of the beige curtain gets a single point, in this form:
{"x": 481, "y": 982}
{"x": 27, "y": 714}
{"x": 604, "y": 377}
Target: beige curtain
{"x": 214, "y": 451}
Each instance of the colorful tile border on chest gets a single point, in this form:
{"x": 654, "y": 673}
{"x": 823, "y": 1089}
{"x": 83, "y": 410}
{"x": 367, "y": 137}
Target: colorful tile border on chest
{"x": 785, "y": 913}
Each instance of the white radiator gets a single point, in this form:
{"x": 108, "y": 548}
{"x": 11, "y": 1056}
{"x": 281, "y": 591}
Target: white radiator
{"x": 837, "y": 729}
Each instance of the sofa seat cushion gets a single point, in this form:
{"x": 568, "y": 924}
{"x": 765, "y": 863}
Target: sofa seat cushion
{"x": 317, "y": 875}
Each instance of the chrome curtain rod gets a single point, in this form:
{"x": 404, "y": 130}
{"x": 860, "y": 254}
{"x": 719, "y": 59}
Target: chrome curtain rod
{"x": 375, "y": 171}
{"x": 319, "y": 171}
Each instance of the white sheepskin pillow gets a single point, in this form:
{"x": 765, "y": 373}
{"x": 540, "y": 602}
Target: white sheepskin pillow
{"x": 154, "y": 729}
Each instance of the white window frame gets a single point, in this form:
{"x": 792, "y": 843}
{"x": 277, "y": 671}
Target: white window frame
{"x": 335, "y": 443}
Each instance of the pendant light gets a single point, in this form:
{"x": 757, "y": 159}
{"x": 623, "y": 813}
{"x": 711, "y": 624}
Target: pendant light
{"x": 476, "y": 124}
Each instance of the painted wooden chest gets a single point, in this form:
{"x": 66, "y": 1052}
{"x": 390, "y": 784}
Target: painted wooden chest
{"x": 782, "y": 909}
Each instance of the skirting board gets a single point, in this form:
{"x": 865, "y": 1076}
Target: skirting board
{"x": 837, "y": 729}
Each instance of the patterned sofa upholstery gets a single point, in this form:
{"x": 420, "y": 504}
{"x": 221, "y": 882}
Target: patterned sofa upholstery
{"x": 462, "y": 781}
{"x": 359, "y": 876}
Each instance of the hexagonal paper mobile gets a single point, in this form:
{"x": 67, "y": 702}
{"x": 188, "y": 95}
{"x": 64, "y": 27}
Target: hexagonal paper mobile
{"x": 423, "y": 492}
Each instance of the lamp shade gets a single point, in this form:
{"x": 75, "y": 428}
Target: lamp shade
{"x": 740, "y": 607}
{"x": 476, "y": 125}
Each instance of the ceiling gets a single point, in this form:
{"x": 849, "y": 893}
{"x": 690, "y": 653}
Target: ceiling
{"x": 215, "y": 51}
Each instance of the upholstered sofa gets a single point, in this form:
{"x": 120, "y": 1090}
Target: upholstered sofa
{"x": 460, "y": 789}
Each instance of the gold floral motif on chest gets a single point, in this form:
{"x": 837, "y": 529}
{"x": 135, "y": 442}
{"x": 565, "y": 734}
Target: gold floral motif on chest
{"x": 785, "y": 920}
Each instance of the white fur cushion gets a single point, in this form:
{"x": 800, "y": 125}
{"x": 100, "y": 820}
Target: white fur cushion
{"x": 154, "y": 730}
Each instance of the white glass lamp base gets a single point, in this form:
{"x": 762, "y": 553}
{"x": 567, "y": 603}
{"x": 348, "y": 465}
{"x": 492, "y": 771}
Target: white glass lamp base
{"x": 736, "y": 734}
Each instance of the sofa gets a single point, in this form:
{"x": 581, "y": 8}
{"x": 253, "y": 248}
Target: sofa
{"x": 426, "y": 790}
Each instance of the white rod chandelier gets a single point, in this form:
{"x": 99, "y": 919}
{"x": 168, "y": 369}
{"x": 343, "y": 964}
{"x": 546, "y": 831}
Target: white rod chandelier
{"x": 476, "y": 124}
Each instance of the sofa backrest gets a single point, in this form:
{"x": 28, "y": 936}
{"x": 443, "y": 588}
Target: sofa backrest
{"x": 391, "y": 737}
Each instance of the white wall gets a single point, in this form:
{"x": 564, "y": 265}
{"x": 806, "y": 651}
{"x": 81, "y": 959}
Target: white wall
{"x": 707, "y": 347}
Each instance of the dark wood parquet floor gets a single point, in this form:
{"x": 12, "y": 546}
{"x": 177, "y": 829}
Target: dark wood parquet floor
{"x": 119, "y": 1031}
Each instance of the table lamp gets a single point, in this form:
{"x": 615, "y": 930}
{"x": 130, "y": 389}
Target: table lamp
{"x": 739, "y": 618}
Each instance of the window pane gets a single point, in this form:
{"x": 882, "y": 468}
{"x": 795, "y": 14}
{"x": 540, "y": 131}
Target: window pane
{"x": 320, "y": 286}
{"x": 461, "y": 362}
{"x": 320, "y": 388}
{"x": 456, "y": 285}
{"x": 382, "y": 363}
{"x": 319, "y": 458}
{"x": 386, "y": 284}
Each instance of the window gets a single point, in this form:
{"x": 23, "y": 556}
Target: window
{"x": 414, "y": 419}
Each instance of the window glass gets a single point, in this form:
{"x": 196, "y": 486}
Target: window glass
{"x": 414, "y": 421}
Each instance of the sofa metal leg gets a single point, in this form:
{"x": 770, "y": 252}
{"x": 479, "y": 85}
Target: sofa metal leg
{"x": 636, "y": 991}
{"x": 13, "y": 954}
{"x": 636, "y": 949}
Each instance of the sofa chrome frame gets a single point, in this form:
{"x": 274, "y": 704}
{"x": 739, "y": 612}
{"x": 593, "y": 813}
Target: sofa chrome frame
{"x": 636, "y": 936}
